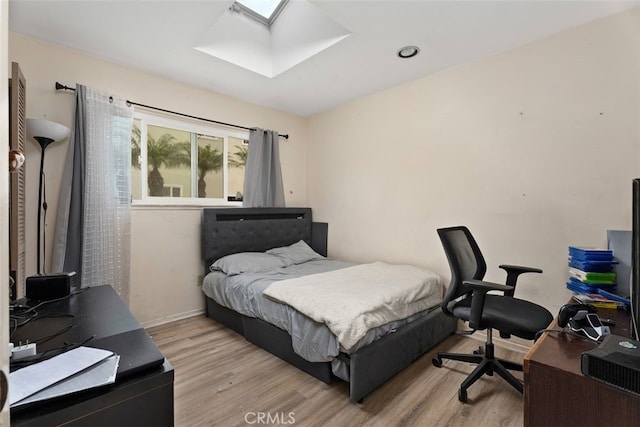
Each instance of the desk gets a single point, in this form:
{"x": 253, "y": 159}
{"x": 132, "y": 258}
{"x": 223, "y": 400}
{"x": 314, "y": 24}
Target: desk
{"x": 143, "y": 391}
{"x": 556, "y": 393}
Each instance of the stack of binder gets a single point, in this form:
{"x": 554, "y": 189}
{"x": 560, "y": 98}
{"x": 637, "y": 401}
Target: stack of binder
{"x": 590, "y": 270}
{"x": 602, "y": 299}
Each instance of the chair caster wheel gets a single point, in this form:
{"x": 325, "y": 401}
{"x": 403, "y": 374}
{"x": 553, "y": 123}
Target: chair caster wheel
{"x": 462, "y": 396}
{"x": 437, "y": 362}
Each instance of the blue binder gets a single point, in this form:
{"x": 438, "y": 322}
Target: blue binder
{"x": 587, "y": 254}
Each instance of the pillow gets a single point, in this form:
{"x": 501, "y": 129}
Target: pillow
{"x": 295, "y": 254}
{"x": 247, "y": 262}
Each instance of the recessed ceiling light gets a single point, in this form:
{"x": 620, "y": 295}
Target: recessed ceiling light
{"x": 408, "y": 52}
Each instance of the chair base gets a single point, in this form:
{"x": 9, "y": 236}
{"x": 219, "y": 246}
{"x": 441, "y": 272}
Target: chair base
{"x": 487, "y": 364}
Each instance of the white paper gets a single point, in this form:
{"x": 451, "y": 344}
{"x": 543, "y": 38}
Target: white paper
{"x": 100, "y": 374}
{"x": 37, "y": 377}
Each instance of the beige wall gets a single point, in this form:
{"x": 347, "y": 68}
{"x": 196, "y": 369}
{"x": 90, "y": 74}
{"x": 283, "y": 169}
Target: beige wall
{"x": 534, "y": 149}
{"x": 165, "y": 242}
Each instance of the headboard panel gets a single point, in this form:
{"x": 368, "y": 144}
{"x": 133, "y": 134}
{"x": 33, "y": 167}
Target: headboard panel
{"x": 227, "y": 231}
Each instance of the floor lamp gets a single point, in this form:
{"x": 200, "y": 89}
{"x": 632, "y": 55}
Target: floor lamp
{"x": 44, "y": 132}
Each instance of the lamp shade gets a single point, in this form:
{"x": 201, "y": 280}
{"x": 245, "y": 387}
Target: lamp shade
{"x": 39, "y": 129}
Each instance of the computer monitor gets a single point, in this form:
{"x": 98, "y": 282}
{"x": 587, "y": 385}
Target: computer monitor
{"x": 635, "y": 261}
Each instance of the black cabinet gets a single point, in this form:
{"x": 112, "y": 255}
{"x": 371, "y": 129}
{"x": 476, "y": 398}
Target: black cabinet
{"x": 143, "y": 392}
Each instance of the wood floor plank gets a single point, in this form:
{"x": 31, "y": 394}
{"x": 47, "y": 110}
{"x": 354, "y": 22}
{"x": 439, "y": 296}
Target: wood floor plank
{"x": 223, "y": 380}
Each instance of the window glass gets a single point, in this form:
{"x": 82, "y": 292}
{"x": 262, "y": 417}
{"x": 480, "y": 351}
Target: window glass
{"x": 264, "y": 8}
{"x": 210, "y": 167}
{"x": 182, "y": 162}
{"x": 168, "y": 162}
{"x": 237, "y": 161}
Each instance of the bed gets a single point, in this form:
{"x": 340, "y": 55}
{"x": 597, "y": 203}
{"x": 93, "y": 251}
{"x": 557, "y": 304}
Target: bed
{"x": 271, "y": 325}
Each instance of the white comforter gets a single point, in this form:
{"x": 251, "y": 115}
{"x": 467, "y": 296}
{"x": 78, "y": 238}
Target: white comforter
{"x": 353, "y": 300}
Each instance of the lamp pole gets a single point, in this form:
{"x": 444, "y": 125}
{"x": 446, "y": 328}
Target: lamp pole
{"x": 44, "y": 142}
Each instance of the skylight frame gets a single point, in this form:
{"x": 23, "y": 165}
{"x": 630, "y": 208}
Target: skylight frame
{"x": 247, "y": 11}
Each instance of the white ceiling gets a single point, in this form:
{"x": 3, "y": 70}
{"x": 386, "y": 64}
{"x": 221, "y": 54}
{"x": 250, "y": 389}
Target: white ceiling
{"x": 346, "y": 51}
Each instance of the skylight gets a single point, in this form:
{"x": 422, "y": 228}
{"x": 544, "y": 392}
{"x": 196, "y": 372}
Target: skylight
{"x": 264, "y": 8}
{"x": 265, "y": 11}
{"x": 301, "y": 32}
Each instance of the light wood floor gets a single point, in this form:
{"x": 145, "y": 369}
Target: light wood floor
{"x": 223, "y": 380}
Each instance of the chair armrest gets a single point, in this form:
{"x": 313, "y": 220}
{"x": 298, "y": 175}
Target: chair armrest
{"x": 513, "y": 272}
{"x": 485, "y": 286}
{"x": 520, "y": 268}
{"x": 480, "y": 289}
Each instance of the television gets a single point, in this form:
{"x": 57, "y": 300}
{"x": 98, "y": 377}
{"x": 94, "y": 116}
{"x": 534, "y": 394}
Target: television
{"x": 634, "y": 288}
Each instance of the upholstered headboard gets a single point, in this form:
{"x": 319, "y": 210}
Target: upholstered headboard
{"x": 227, "y": 231}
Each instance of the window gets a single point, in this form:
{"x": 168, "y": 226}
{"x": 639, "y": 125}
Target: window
{"x": 264, "y": 11}
{"x": 172, "y": 191}
{"x": 181, "y": 162}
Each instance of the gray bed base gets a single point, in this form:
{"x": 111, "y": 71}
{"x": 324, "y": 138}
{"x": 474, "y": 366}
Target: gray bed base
{"x": 231, "y": 230}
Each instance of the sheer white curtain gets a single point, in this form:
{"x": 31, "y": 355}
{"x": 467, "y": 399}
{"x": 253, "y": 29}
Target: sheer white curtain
{"x": 94, "y": 216}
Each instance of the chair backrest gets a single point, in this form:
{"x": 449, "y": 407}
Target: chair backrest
{"x": 465, "y": 261}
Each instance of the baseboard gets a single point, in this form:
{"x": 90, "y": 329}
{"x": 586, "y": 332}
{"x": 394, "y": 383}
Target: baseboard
{"x": 172, "y": 318}
{"x": 514, "y": 343}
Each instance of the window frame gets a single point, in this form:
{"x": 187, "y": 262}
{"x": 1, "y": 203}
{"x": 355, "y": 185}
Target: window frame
{"x": 249, "y": 12}
{"x": 193, "y": 127}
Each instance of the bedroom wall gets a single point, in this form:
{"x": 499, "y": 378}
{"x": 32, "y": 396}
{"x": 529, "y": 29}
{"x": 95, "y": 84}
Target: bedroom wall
{"x": 534, "y": 149}
{"x": 165, "y": 241}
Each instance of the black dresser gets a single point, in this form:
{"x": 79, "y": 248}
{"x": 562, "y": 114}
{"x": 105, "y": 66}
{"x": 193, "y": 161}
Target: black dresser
{"x": 143, "y": 392}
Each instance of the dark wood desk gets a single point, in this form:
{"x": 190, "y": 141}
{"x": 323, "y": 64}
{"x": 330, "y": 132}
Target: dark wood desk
{"x": 143, "y": 392}
{"x": 556, "y": 393}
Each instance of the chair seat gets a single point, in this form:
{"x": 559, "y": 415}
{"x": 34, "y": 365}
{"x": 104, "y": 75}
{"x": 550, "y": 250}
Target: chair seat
{"x": 506, "y": 314}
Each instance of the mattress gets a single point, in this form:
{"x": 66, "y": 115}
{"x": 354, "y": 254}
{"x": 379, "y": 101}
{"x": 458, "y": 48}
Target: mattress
{"x": 311, "y": 340}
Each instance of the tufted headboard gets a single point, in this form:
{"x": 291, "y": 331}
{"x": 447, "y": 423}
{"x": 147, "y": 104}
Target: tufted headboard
{"x": 227, "y": 231}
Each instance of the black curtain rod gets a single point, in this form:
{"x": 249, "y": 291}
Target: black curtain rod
{"x": 60, "y": 86}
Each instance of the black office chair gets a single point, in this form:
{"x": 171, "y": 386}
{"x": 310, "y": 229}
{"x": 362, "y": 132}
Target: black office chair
{"x": 467, "y": 299}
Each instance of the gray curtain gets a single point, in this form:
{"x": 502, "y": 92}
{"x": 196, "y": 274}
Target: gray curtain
{"x": 263, "y": 176}
{"x": 92, "y": 234}
{"x": 67, "y": 246}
